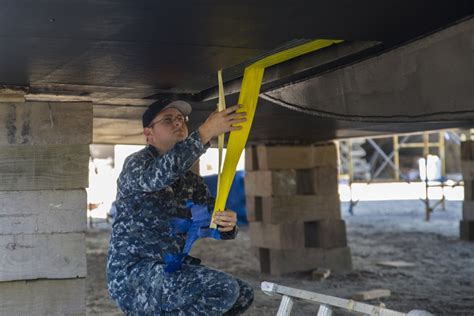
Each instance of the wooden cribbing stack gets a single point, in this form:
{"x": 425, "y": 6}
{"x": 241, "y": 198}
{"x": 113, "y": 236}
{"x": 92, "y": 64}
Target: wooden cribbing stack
{"x": 467, "y": 165}
{"x": 44, "y": 168}
{"x": 294, "y": 210}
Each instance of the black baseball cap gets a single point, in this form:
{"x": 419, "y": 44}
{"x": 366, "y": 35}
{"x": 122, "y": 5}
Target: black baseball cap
{"x": 156, "y": 107}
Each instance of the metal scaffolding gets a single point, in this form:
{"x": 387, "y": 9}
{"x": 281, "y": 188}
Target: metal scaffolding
{"x": 362, "y": 168}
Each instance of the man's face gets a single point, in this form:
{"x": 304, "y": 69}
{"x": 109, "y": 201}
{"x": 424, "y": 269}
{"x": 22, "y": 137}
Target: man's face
{"x": 167, "y": 128}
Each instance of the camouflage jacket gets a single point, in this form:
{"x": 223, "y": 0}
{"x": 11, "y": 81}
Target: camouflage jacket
{"x": 152, "y": 189}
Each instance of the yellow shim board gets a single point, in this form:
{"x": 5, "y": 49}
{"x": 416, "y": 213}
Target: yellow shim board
{"x": 248, "y": 98}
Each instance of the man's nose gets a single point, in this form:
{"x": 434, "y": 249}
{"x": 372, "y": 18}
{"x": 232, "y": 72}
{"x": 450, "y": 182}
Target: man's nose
{"x": 177, "y": 122}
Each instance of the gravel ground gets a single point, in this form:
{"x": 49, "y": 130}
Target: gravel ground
{"x": 441, "y": 280}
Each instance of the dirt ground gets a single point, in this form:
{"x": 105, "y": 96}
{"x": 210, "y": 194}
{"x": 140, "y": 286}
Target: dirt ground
{"x": 441, "y": 282}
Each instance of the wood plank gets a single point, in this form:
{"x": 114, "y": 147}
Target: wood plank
{"x": 254, "y": 208}
{"x": 468, "y": 190}
{"x": 296, "y": 157}
{"x": 468, "y": 210}
{"x": 283, "y": 236}
{"x": 279, "y": 262}
{"x": 32, "y": 212}
{"x": 43, "y": 297}
{"x": 467, "y": 169}
{"x": 319, "y": 181}
{"x": 371, "y": 295}
{"x": 467, "y": 150}
{"x": 52, "y": 256}
{"x": 466, "y": 228}
{"x": 250, "y": 158}
{"x": 118, "y": 131}
{"x": 44, "y": 167}
{"x": 281, "y": 209}
{"x": 41, "y": 123}
{"x": 294, "y": 235}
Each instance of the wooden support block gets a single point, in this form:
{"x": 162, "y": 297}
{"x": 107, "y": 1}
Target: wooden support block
{"x": 467, "y": 150}
{"x": 278, "y": 262}
{"x": 254, "y": 208}
{"x": 371, "y": 295}
{"x": 329, "y": 233}
{"x": 41, "y": 123}
{"x": 294, "y": 235}
{"x": 251, "y": 158}
{"x": 467, "y": 168}
{"x": 268, "y": 183}
{"x": 118, "y": 131}
{"x": 467, "y": 230}
{"x": 319, "y": 181}
{"x": 44, "y": 167}
{"x": 283, "y": 209}
{"x": 296, "y": 157}
{"x": 33, "y": 212}
{"x": 52, "y": 256}
{"x": 43, "y": 297}
{"x": 468, "y": 210}
{"x": 282, "y": 236}
{"x": 468, "y": 190}
{"x": 320, "y": 274}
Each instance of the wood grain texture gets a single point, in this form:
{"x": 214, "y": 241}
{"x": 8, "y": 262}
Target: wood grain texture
{"x": 299, "y": 235}
{"x": 51, "y": 256}
{"x": 41, "y": 123}
{"x": 287, "y": 182}
{"x": 32, "y": 212}
{"x": 44, "y": 167}
{"x": 118, "y": 131}
{"x": 279, "y": 262}
{"x": 43, "y": 297}
{"x": 296, "y": 157}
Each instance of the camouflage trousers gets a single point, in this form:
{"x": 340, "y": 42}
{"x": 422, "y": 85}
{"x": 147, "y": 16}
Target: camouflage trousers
{"x": 193, "y": 290}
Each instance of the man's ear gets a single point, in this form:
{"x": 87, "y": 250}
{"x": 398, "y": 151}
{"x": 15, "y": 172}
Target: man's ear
{"x": 147, "y": 132}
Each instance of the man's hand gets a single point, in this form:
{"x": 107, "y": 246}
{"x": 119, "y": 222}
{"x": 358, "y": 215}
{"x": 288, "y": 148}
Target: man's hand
{"x": 227, "y": 220}
{"x": 221, "y": 122}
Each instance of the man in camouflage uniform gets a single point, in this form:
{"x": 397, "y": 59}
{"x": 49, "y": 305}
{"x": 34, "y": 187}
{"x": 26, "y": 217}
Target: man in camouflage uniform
{"x": 153, "y": 189}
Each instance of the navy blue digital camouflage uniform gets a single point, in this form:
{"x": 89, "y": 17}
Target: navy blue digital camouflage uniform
{"x": 152, "y": 189}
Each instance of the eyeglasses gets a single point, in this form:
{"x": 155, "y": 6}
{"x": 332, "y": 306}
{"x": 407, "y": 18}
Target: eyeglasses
{"x": 169, "y": 120}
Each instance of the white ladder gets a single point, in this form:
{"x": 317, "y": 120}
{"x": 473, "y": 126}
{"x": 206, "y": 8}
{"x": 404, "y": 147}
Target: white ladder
{"x": 327, "y": 303}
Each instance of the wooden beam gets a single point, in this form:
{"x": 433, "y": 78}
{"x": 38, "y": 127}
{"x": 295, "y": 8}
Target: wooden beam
{"x": 43, "y": 297}
{"x": 33, "y": 212}
{"x": 39, "y": 256}
{"x": 40, "y": 123}
{"x": 118, "y": 131}
{"x": 44, "y": 167}
{"x": 283, "y": 209}
{"x": 278, "y": 262}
